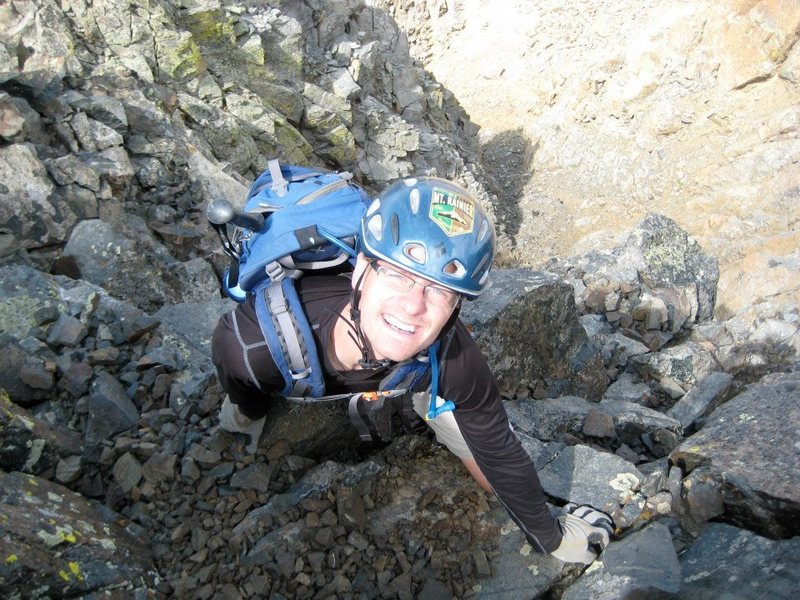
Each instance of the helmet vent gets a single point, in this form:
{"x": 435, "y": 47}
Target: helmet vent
{"x": 416, "y": 252}
{"x": 375, "y": 226}
{"x": 482, "y": 264}
{"x": 395, "y": 224}
{"x": 455, "y": 269}
{"x": 413, "y": 200}
{"x": 484, "y": 230}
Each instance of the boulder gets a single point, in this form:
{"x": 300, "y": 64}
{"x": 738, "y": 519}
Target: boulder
{"x": 135, "y": 265}
{"x": 749, "y": 445}
{"x": 583, "y": 475}
{"x": 657, "y": 283}
{"x": 674, "y": 370}
{"x": 214, "y": 181}
{"x": 527, "y": 326}
{"x": 642, "y": 565}
{"x": 728, "y": 562}
{"x": 557, "y": 418}
{"x": 628, "y": 388}
{"x": 46, "y": 43}
{"x": 58, "y": 543}
{"x": 29, "y": 217}
{"x": 24, "y": 376}
{"x": 701, "y": 398}
{"x": 111, "y": 411}
{"x": 518, "y": 571}
{"x": 29, "y": 299}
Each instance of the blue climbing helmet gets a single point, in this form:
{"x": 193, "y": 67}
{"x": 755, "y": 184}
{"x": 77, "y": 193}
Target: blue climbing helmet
{"x": 432, "y": 228}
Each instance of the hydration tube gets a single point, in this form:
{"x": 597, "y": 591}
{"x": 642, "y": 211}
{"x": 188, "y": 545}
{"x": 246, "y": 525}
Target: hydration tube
{"x": 336, "y": 241}
{"x": 433, "y": 410}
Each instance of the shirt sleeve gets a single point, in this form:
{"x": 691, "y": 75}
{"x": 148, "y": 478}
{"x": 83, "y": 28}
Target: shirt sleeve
{"x": 467, "y": 380}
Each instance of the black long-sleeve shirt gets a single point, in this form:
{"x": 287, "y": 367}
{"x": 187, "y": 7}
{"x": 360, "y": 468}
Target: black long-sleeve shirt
{"x": 241, "y": 356}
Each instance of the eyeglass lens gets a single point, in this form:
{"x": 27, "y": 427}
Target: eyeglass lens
{"x": 404, "y": 284}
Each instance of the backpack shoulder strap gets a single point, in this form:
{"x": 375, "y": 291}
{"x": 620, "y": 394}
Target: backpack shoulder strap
{"x": 288, "y": 335}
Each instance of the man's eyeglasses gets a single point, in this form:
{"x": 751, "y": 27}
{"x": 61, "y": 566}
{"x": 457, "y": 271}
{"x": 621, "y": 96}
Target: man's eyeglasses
{"x": 433, "y": 294}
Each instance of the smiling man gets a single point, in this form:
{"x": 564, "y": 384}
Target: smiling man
{"x": 426, "y": 245}
{"x": 400, "y": 315}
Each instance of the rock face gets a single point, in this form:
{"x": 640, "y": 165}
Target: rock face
{"x": 141, "y": 129}
{"x": 628, "y": 386}
{"x": 594, "y": 114}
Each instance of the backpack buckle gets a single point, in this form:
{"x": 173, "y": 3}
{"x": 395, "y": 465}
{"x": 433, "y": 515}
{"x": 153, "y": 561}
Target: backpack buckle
{"x": 275, "y": 271}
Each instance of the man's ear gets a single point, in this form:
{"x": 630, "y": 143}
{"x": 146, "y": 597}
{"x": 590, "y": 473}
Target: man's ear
{"x": 358, "y": 271}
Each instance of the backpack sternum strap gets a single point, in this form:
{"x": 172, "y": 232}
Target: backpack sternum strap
{"x": 406, "y": 375}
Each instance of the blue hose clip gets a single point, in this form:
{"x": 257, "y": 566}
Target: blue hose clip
{"x": 433, "y": 410}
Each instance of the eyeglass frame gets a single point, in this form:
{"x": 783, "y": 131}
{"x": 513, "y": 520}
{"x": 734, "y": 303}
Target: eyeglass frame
{"x": 375, "y": 265}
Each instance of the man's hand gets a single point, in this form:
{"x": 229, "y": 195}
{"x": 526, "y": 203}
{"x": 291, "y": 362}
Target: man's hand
{"x": 586, "y": 533}
{"x": 595, "y": 518}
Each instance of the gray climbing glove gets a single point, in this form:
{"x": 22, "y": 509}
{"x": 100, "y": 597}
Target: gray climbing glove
{"x": 231, "y": 419}
{"x": 586, "y": 533}
{"x": 596, "y": 518}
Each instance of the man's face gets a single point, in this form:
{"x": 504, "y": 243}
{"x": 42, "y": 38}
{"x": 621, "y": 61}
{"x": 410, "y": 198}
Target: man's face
{"x": 400, "y": 324}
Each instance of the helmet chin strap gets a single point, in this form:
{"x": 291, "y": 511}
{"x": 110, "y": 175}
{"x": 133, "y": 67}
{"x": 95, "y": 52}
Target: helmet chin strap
{"x": 357, "y": 334}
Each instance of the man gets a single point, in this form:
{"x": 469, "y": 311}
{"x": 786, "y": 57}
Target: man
{"x": 426, "y": 244}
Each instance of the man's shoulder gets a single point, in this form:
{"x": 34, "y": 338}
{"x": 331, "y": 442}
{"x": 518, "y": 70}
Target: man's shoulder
{"x": 462, "y": 344}
{"x": 321, "y": 286}
{"x": 323, "y": 296}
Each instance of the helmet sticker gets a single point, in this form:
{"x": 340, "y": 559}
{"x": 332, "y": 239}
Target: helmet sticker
{"x": 452, "y": 212}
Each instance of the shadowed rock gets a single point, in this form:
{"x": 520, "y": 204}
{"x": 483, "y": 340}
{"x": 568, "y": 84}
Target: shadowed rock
{"x": 528, "y": 328}
{"x": 29, "y": 444}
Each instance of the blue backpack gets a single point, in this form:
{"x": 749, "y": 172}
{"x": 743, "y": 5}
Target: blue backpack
{"x": 298, "y": 220}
